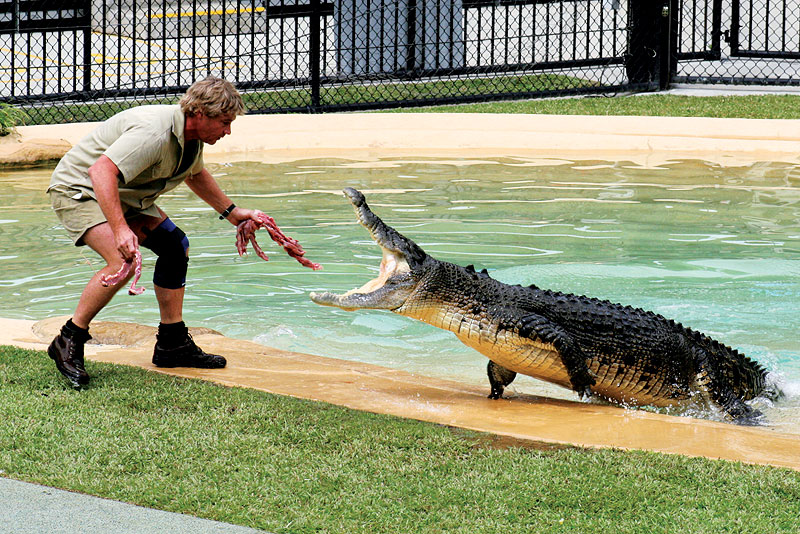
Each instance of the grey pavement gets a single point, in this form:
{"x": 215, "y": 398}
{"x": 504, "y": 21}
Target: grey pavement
{"x": 695, "y": 89}
{"x": 33, "y": 509}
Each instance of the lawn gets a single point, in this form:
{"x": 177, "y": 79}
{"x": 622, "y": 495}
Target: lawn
{"x": 289, "y": 465}
{"x": 785, "y": 106}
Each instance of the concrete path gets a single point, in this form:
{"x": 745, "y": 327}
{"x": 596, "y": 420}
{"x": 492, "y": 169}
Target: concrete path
{"x": 33, "y": 509}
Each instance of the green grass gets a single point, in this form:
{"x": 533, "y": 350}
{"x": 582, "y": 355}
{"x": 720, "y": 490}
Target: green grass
{"x": 745, "y": 106}
{"x": 289, "y": 465}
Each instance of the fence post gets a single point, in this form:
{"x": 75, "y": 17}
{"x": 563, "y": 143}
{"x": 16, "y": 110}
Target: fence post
{"x": 716, "y": 25}
{"x": 314, "y": 53}
{"x": 649, "y": 34}
{"x": 668, "y": 65}
{"x": 734, "y": 32}
{"x": 411, "y": 36}
{"x": 87, "y": 58}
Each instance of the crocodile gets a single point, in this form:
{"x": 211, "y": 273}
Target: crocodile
{"x": 595, "y": 347}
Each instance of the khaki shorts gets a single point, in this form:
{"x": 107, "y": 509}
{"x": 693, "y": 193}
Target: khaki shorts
{"x": 78, "y": 215}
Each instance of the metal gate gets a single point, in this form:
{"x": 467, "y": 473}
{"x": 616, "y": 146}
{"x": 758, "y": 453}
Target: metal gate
{"x": 55, "y": 55}
{"x": 765, "y": 29}
{"x": 737, "y": 42}
{"x": 699, "y": 33}
{"x": 311, "y": 55}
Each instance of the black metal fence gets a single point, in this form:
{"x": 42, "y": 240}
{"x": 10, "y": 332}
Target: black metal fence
{"x": 739, "y": 41}
{"x": 78, "y": 60}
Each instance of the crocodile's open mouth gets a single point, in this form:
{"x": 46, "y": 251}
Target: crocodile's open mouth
{"x": 391, "y": 265}
{"x": 395, "y": 280}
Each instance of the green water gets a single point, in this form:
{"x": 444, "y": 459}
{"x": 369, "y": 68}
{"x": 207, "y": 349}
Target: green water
{"x": 713, "y": 247}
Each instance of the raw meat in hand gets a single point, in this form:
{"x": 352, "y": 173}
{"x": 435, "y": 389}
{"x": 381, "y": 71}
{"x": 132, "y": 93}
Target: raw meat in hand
{"x": 113, "y": 279}
{"x": 246, "y": 233}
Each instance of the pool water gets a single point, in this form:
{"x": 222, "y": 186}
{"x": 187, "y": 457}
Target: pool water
{"x": 713, "y": 247}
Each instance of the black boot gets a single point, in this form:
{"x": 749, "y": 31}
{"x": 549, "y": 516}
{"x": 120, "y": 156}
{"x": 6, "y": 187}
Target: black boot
{"x": 176, "y": 348}
{"x": 67, "y": 351}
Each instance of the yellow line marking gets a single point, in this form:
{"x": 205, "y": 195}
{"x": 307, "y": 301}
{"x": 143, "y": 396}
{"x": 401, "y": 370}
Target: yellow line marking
{"x": 231, "y": 11}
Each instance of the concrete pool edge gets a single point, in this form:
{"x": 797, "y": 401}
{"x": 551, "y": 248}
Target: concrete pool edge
{"x": 377, "y": 389}
{"x": 644, "y": 140}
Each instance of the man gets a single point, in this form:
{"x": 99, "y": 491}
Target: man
{"x": 103, "y": 191}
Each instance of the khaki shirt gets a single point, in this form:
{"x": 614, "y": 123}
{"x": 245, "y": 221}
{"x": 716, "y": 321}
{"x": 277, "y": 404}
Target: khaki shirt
{"x": 146, "y": 143}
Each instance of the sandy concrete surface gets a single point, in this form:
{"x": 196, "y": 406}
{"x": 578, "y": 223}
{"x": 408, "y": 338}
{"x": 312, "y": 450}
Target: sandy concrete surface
{"x": 646, "y": 140}
{"x": 381, "y": 390}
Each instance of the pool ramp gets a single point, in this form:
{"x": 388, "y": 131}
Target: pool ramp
{"x": 372, "y": 388}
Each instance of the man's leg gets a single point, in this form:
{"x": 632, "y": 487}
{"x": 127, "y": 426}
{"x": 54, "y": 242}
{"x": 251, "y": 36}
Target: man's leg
{"x": 95, "y": 295}
{"x": 177, "y": 346}
{"x": 174, "y": 345}
{"x": 67, "y": 348}
{"x": 170, "y": 304}
{"x": 152, "y": 235}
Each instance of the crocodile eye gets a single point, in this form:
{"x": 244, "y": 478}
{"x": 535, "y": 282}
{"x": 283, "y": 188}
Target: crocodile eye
{"x": 398, "y": 279}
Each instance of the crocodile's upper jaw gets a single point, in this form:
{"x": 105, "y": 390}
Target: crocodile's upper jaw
{"x": 401, "y": 261}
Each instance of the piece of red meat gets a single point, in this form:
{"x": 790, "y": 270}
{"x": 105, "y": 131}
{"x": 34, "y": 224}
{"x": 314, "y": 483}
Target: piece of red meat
{"x": 246, "y": 233}
{"x": 113, "y": 279}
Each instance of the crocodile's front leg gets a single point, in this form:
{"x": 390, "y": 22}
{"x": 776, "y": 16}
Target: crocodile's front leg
{"x": 499, "y": 378}
{"x": 535, "y": 326}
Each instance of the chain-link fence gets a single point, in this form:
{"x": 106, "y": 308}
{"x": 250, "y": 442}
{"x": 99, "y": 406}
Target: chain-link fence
{"x": 308, "y": 56}
{"x": 743, "y": 42}
{"x": 78, "y": 60}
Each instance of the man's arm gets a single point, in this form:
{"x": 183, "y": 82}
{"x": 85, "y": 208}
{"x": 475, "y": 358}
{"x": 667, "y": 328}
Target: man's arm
{"x": 204, "y": 186}
{"x": 104, "y": 175}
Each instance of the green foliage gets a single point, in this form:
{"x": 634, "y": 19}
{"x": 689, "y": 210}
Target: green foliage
{"x": 288, "y": 465}
{"x": 10, "y": 117}
{"x": 69, "y": 113}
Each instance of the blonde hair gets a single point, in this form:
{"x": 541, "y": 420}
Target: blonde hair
{"x": 212, "y": 97}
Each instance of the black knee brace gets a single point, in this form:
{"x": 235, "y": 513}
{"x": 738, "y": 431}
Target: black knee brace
{"x": 171, "y": 246}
